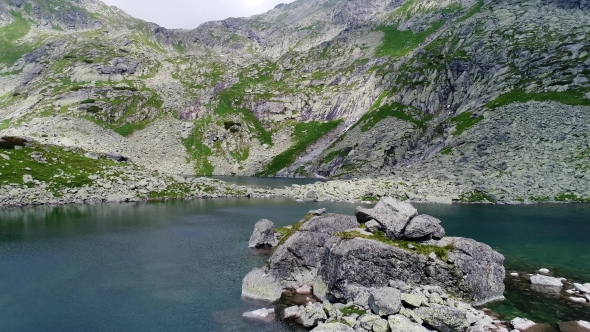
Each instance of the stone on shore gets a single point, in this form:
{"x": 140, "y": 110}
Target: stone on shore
{"x": 424, "y": 227}
{"x": 267, "y": 315}
{"x": 333, "y": 327}
{"x": 293, "y": 312}
{"x": 391, "y": 214}
{"x": 259, "y": 285}
{"x": 443, "y": 318}
{"x": 263, "y": 235}
{"x": 399, "y": 323}
{"x": 312, "y": 315}
{"x": 317, "y": 212}
{"x": 544, "y": 271}
{"x": 522, "y": 324}
{"x": 578, "y": 299}
{"x": 538, "y": 279}
{"x": 385, "y": 301}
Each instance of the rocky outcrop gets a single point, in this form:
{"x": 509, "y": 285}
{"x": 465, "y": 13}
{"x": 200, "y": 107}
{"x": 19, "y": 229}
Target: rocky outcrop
{"x": 259, "y": 285}
{"x": 345, "y": 263}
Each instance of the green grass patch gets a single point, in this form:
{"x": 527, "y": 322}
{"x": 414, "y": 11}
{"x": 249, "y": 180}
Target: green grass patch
{"x": 305, "y": 134}
{"x": 224, "y": 109}
{"x": 198, "y": 151}
{"x": 476, "y": 197}
{"x": 570, "y": 197}
{"x": 569, "y": 97}
{"x": 286, "y": 232}
{"x": 463, "y": 122}
{"x": 4, "y": 124}
{"x": 396, "y": 110}
{"x": 446, "y": 151}
{"x": 179, "y": 47}
{"x": 474, "y": 10}
{"x": 333, "y": 155}
{"x": 11, "y": 50}
{"x": 441, "y": 252}
{"x": 63, "y": 169}
{"x": 241, "y": 155}
{"x": 351, "y": 309}
{"x": 398, "y": 43}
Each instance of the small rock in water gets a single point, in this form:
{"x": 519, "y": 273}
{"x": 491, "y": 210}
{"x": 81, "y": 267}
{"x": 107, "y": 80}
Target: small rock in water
{"x": 584, "y": 324}
{"x": 584, "y": 288}
{"x": 570, "y": 291}
{"x": 546, "y": 281}
{"x": 544, "y": 271}
{"x": 522, "y": 324}
{"x": 514, "y": 274}
{"x": 577, "y": 299}
{"x": 267, "y": 315}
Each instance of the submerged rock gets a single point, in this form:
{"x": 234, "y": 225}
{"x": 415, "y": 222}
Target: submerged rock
{"x": 538, "y": 279}
{"x": 267, "y": 315}
{"x": 259, "y": 285}
{"x": 263, "y": 235}
{"x": 579, "y": 326}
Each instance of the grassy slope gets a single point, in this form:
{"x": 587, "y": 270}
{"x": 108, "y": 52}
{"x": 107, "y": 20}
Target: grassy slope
{"x": 11, "y": 49}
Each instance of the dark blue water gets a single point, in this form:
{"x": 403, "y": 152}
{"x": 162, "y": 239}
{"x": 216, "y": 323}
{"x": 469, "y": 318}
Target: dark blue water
{"x": 178, "y": 265}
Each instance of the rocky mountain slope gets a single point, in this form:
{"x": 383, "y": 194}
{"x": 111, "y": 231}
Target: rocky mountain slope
{"x": 459, "y": 99}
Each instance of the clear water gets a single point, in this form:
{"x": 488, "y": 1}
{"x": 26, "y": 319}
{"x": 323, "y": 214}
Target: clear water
{"x": 178, "y": 265}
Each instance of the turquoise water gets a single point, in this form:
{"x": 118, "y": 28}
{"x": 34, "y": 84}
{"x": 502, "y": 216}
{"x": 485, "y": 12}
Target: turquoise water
{"x": 178, "y": 265}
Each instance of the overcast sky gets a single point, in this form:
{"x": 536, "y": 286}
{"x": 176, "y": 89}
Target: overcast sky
{"x": 189, "y": 14}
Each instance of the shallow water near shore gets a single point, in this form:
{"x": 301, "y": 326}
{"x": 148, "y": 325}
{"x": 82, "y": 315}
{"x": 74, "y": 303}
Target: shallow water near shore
{"x": 178, "y": 265}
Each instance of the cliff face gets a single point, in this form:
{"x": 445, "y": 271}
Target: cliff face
{"x": 346, "y": 89}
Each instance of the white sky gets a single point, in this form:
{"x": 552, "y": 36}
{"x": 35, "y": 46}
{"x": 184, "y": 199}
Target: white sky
{"x": 189, "y": 14}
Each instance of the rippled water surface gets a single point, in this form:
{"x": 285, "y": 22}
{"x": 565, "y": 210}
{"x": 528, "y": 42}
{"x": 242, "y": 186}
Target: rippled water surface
{"x": 178, "y": 265}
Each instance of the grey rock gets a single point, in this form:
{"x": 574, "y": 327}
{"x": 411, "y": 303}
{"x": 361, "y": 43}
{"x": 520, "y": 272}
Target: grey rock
{"x": 267, "y": 315}
{"x": 584, "y": 288}
{"x": 373, "y": 226}
{"x": 443, "y": 318}
{"x": 522, "y": 324}
{"x": 259, "y": 285}
{"x": 424, "y": 227}
{"x": 413, "y": 300}
{"x": 317, "y": 212}
{"x": 333, "y": 327}
{"x": 367, "y": 321}
{"x": 263, "y": 235}
{"x": 399, "y": 323}
{"x": 476, "y": 274}
{"x": 330, "y": 223}
{"x": 293, "y": 312}
{"x": 575, "y": 326}
{"x": 312, "y": 315}
{"x": 538, "y": 279}
{"x": 380, "y": 325}
{"x": 385, "y": 301}
{"x": 391, "y": 214}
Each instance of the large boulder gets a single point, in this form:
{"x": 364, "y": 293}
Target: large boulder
{"x": 259, "y": 285}
{"x": 424, "y": 227}
{"x": 473, "y": 272}
{"x": 263, "y": 235}
{"x": 385, "y": 301}
{"x": 443, "y": 318}
{"x": 296, "y": 262}
{"x": 391, "y": 214}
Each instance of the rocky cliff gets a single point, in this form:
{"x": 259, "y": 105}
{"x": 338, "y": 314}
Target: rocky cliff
{"x": 479, "y": 96}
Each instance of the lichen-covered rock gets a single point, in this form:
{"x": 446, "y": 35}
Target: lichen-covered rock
{"x": 263, "y": 235}
{"x": 476, "y": 273}
{"x": 259, "y": 285}
{"x": 385, "y": 301}
{"x": 391, "y": 214}
{"x": 443, "y": 318}
{"x": 399, "y": 323}
{"x": 333, "y": 327}
{"x": 312, "y": 315}
{"x": 424, "y": 227}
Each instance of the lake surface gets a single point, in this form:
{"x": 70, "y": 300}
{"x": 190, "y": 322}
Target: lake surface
{"x": 178, "y": 265}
